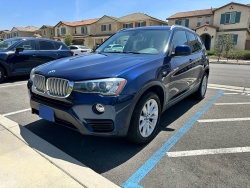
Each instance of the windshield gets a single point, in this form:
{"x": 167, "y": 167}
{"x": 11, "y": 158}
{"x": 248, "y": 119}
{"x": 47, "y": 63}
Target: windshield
{"x": 7, "y": 43}
{"x": 151, "y": 41}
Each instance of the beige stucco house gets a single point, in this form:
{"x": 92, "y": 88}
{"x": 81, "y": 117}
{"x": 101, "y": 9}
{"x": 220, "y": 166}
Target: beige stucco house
{"x": 28, "y": 31}
{"x": 108, "y": 25}
{"x": 4, "y": 34}
{"x": 46, "y": 31}
{"x": 233, "y": 18}
{"x": 95, "y": 31}
{"x": 80, "y": 30}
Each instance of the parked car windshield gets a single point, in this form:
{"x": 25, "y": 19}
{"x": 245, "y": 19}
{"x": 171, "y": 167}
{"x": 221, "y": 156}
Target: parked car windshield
{"x": 150, "y": 41}
{"x": 7, "y": 43}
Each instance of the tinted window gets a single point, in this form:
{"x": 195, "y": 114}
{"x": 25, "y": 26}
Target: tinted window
{"x": 180, "y": 38}
{"x": 200, "y": 41}
{"x": 44, "y": 45}
{"x": 27, "y": 45}
{"x": 64, "y": 47}
{"x": 193, "y": 42}
{"x": 57, "y": 45}
{"x": 73, "y": 48}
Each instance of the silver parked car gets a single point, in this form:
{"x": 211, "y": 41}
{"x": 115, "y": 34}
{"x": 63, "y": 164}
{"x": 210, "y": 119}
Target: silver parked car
{"x": 79, "y": 49}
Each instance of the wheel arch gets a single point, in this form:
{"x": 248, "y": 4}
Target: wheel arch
{"x": 156, "y": 87}
{"x": 4, "y": 66}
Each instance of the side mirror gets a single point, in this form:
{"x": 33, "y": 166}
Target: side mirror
{"x": 19, "y": 50}
{"x": 182, "y": 50}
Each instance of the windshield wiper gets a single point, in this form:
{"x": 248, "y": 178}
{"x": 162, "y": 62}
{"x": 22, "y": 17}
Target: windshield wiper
{"x": 131, "y": 52}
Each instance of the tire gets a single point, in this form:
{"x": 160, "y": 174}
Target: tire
{"x": 147, "y": 120}
{"x": 201, "y": 92}
{"x": 2, "y": 74}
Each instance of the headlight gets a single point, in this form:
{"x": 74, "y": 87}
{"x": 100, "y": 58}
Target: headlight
{"x": 32, "y": 74}
{"x": 109, "y": 86}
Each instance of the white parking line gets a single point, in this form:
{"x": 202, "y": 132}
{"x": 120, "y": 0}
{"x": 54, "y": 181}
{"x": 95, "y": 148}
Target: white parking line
{"x": 230, "y": 93}
{"x": 226, "y": 86}
{"x": 223, "y": 120}
{"x": 12, "y": 85}
{"x": 237, "y": 103}
{"x": 226, "y": 89}
{"x": 16, "y": 112}
{"x": 208, "y": 152}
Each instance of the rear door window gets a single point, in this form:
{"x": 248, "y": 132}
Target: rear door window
{"x": 45, "y": 45}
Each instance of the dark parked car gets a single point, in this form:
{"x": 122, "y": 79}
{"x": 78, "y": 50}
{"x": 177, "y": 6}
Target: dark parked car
{"x": 19, "y": 55}
{"x": 122, "y": 93}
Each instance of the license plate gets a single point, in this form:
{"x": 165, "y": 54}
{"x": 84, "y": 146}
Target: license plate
{"x": 46, "y": 113}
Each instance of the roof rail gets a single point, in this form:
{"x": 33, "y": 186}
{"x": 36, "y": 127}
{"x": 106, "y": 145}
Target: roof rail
{"x": 180, "y": 26}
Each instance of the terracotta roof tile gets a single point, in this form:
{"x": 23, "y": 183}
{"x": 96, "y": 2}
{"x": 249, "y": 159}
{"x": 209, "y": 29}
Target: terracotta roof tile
{"x": 79, "y": 23}
{"x": 207, "y": 25}
{"x": 192, "y": 13}
{"x": 28, "y": 28}
{"x": 137, "y": 16}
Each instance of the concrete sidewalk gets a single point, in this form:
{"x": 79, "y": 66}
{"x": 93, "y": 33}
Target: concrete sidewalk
{"x": 230, "y": 61}
{"x": 26, "y": 160}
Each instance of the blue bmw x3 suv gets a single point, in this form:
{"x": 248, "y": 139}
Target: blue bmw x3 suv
{"x": 122, "y": 92}
{"x": 18, "y": 56}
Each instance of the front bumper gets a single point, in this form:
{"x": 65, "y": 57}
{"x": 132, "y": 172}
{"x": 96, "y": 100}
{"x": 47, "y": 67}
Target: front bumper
{"x": 78, "y": 111}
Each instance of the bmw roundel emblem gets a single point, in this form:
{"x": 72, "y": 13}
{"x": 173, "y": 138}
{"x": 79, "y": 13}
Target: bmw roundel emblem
{"x": 52, "y": 71}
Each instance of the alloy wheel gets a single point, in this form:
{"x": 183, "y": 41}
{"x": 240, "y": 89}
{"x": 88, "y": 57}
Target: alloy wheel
{"x": 148, "y": 118}
{"x": 204, "y": 86}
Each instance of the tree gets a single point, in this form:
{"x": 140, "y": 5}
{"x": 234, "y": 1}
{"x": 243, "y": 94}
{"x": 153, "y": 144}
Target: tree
{"x": 68, "y": 39}
{"x": 224, "y": 43}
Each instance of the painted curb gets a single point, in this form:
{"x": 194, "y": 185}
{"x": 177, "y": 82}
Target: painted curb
{"x": 75, "y": 169}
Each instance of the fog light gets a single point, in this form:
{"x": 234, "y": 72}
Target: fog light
{"x": 100, "y": 108}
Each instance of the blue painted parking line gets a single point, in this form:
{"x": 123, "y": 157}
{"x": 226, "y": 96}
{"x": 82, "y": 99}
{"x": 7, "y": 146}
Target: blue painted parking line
{"x": 134, "y": 180}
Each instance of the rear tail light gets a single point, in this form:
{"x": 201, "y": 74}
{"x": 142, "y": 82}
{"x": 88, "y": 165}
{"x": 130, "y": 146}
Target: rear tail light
{"x": 83, "y": 50}
{"x": 72, "y": 53}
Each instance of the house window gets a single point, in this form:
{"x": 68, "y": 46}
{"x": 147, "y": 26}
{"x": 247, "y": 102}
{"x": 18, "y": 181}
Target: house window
{"x": 207, "y": 20}
{"x": 58, "y": 32}
{"x": 106, "y": 27}
{"x": 230, "y": 18}
{"x": 84, "y": 30}
{"x": 44, "y": 32}
{"x": 63, "y": 30}
{"x": 15, "y": 34}
{"x": 51, "y": 32}
{"x": 182, "y": 22}
{"x": 198, "y": 22}
{"x": 235, "y": 38}
{"x": 151, "y": 23}
{"x": 75, "y": 31}
{"x": 140, "y": 24}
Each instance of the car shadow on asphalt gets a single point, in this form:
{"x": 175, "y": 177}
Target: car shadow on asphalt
{"x": 15, "y": 79}
{"x": 99, "y": 153}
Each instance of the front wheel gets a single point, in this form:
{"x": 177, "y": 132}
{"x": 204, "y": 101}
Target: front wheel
{"x": 201, "y": 92}
{"x": 145, "y": 119}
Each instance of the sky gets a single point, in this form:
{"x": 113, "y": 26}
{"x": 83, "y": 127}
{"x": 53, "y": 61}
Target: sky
{"x": 22, "y": 13}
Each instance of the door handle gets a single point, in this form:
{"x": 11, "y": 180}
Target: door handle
{"x": 34, "y": 55}
{"x": 56, "y": 54}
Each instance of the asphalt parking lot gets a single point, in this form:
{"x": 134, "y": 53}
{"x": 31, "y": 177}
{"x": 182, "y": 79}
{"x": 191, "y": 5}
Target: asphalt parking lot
{"x": 189, "y": 150}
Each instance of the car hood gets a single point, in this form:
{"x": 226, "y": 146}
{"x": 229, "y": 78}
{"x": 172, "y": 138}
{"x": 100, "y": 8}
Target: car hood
{"x": 91, "y": 66}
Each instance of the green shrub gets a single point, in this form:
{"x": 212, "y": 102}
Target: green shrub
{"x": 210, "y": 52}
{"x": 238, "y": 54}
